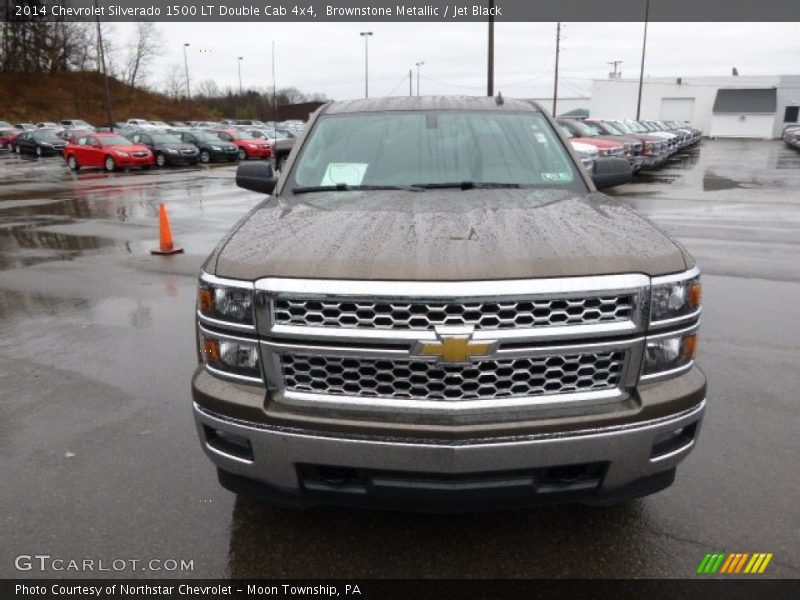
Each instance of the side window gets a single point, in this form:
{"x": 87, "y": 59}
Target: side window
{"x": 93, "y": 142}
{"x": 82, "y": 141}
{"x": 226, "y": 137}
{"x": 791, "y": 114}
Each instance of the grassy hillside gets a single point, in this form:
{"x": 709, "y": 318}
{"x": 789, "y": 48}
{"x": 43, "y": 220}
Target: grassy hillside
{"x": 81, "y": 95}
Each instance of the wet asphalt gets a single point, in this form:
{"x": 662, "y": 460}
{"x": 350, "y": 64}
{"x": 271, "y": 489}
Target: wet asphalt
{"x": 100, "y": 460}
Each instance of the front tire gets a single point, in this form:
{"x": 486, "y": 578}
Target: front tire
{"x": 110, "y": 165}
{"x": 205, "y": 157}
{"x": 72, "y": 162}
{"x": 161, "y": 160}
{"x": 242, "y": 154}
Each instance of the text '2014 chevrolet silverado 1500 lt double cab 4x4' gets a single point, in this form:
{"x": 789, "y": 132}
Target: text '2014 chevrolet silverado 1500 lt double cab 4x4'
{"x": 435, "y": 308}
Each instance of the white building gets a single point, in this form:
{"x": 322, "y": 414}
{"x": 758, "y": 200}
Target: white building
{"x": 733, "y": 106}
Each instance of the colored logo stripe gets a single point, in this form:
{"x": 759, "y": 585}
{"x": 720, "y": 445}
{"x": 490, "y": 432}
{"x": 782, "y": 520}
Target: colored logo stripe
{"x": 734, "y": 562}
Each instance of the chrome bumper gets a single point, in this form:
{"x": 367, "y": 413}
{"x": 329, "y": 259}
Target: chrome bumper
{"x": 275, "y": 453}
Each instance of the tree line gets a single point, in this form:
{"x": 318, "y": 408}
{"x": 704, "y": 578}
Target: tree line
{"x": 31, "y": 46}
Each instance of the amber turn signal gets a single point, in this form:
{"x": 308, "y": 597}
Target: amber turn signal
{"x": 695, "y": 294}
{"x": 689, "y": 346}
{"x": 211, "y": 349}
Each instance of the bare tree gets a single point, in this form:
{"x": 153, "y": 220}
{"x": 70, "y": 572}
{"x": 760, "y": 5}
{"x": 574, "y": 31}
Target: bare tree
{"x": 207, "y": 88}
{"x": 142, "y": 49}
{"x": 174, "y": 81}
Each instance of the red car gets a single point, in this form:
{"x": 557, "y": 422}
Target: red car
{"x": 107, "y": 150}
{"x": 249, "y": 146}
{"x": 7, "y": 136}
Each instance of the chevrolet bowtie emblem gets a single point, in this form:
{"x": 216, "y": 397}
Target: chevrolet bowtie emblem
{"x": 455, "y": 348}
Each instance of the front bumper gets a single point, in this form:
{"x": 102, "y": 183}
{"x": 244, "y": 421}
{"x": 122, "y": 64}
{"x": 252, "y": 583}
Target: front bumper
{"x": 306, "y": 467}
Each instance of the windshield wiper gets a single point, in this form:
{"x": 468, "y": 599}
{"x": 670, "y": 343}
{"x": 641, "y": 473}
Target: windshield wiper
{"x": 465, "y": 185}
{"x": 343, "y": 187}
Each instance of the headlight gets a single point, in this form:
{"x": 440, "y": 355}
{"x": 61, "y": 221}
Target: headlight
{"x": 216, "y": 148}
{"x": 668, "y": 354}
{"x": 602, "y": 151}
{"x": 230, "y": 356}
{"x": 121, "y": 153}
{"x": 171, "y": 151}
{"x": 674, "y": 297}
{"x": 252, "y": 146}
{"x": 228, "y": 301}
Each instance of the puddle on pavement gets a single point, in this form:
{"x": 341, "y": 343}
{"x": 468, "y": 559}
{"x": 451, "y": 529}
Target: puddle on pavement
{"x": 715, "y": 183}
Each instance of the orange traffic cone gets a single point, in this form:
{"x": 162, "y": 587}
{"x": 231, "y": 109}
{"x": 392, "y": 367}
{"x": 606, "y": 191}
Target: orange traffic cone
{"x": 164, "y": 234}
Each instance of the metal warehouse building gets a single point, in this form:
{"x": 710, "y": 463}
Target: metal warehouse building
{"x": 733, "y": 106}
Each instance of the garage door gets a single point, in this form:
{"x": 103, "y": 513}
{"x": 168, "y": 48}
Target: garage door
{"x": 744, "y": 113}
{"x": 677, "y": 109}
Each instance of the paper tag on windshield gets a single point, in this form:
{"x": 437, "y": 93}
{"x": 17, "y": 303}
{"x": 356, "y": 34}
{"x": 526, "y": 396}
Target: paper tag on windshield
{"x": 344, "y": 173}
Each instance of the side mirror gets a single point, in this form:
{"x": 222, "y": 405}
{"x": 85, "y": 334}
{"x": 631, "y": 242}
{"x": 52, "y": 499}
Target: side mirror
{"x": 611, "y": 171}
{"x": 256, "y": 177}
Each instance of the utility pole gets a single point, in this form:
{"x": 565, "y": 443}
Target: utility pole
{"x": 555, "y": 82}
{"x": 186, "y": 67}
{"x": 418, "y": 64}
{"x": 410, "y": 88}
{"x": 103, "y": 65}
{"x": 240, "y": 75}
{"x": 366, "y": 35}
{"x": 641, "y": 72}
{"x": 274, "y": 97}
{"x": 615, "y": 63}
{"x": 490, "y": 53}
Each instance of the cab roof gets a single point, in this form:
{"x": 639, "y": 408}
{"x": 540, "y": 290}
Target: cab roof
{"x": 410, "y": 103}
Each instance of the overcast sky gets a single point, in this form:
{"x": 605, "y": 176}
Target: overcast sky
{"x": 329, "y": 57}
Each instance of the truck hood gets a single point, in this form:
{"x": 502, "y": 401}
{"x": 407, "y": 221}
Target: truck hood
{"x": 476, "y": 234}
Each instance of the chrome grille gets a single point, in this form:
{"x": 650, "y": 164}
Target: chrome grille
{"x": 426, "y": 315}
{"x": 417, "y": 379}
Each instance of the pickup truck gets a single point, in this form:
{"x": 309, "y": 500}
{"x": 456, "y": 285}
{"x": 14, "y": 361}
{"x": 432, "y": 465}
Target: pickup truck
{"x": 434, "y": 308}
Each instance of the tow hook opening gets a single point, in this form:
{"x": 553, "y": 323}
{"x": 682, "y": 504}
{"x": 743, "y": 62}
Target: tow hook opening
{"x": 674, "y": 441}
{"x": 228, "y": 443}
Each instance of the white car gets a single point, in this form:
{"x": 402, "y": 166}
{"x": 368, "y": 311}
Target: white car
{"x": 139, "y": 124}
{"x": 587, "y": 153}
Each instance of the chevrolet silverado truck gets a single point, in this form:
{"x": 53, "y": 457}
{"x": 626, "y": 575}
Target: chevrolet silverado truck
{"x": 435, "y": 309}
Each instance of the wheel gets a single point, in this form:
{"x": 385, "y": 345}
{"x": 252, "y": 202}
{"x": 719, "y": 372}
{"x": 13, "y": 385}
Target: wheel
{"x": 73, "y": 163}
{"x": 161, "y": 160}
{"x": 242, "y": 154}
{"x": 110, "y": 164}
{"x": 205, "y": 157}
{"x": 39, "y": 151}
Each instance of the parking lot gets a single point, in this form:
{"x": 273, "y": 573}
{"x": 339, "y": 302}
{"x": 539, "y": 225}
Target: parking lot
{"x": 101, "y": 459}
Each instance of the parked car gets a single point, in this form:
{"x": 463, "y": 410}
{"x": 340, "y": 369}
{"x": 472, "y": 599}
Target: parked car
{"x": 42, "y": 142}
{"x": 72, "y": 135}
{"x": 673, "y": 141}
{"x": 791, "y": 135}
{"x": 25, "y": 126}
{"x": 210, "y": 147}
{"x": 138, "y": 124}
{"x": 249, "y": 146}
{"x": 631, "y": 148}
{"x": 7, "y": 135}
{"x": 587, "y": 153}
{"x": 47, "y": 125}
{"x": 167, "y": 148}
{"x": 107, "y": 150}
{"x": 77, "y": 124}
{"x": 654, "y": 150}
{"x": 604, "y": 147}
{"x": 421, "y": 316}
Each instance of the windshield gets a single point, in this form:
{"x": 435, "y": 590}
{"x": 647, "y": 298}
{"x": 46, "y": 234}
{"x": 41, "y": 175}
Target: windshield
{"x": 164, "y": 138}
{"x": 114, "y": 140}
{"x": 46, "y": 136}
{"x": 427, "y": 148}
{"x": 204, "y": 136}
